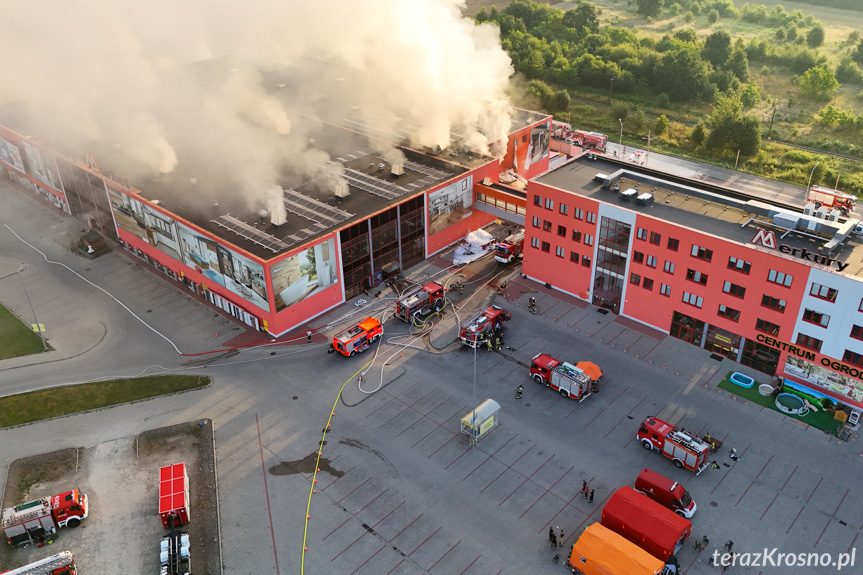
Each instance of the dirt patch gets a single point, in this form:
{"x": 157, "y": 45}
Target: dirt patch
{"x": 121, "y": 479}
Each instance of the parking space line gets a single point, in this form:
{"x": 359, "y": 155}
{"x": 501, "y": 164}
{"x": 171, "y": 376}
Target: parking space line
{"x": 765, "y": 466}
{"x": 586, "y": 425}
{"x": 850, "y": 547}
{"x": 407, "y": 407}
{"x": 364, "y": 533}
{"x": 354, "y": 489}
{"x": 814, "y": 489}
{"x": 444, "y": 555}
{"x": 267, "y": 493}
{"x": 470, "y": 564}
{"x": 337, "y": 528}
{"x": 396, "y": 567}
{"x": 387, "y": 515}
{"x": 424, "y": 415}
{"x": 491, "y": 455}
{"x": 508, "y": 467}
{"x": 526, "y": 479}
{"x": 544, "y": 493}
{"x": 769, "y": 506}
{"x": 406, "y": 527}
{"x": 564, "y": 315}
{"x": 442, "y": 446}
{"x": 425, "y": 541}
{"x": 438, "y": 426}
{"x": 565, "y": 505}
{"x": 829, "y": 519}
{"x": 795, "y": 519}
{"x": 369, "y": 559}
{"x": 727, "y": 471}
{"x": 394, "y": 397}
{"x": 840, "y": 501}
{"x": 337, "y": 478}
{"x": 744, "y": 493}
{"x": 463, "y": 453}
{"x": 789, "y": 478}
{"x": 372, "y": 501}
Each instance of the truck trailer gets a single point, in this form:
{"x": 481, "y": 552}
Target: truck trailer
{"x": 601, "y": 551}
{"x": 37, "y": 521}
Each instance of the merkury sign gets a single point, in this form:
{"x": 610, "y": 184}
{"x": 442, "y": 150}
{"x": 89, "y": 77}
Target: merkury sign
{"x": 767, "y": 238}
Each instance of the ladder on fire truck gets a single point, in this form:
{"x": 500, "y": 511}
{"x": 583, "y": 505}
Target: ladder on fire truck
{"x": 26, "y": 511}
{"x": 45, "y": 566}
{"x": 687, "y": 441}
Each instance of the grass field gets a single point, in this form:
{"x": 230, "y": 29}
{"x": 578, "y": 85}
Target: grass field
{"x": 16, "y": 337}
{"x": 45, "y": 404}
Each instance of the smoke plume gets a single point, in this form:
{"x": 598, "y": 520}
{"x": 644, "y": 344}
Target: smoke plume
{"x": 229, "y": 87}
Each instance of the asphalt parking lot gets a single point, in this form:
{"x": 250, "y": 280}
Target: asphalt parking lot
{"x": 400, "y": 491}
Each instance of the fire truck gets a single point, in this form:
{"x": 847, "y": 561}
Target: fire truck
{"x": 563, "y": 377}
{"x": 821, "y": 196}
{"x": 37, "y": 521}
{"x": 419, "y": 302}
{"x": 59, "y": 564}
{"x": 174, "y": 556}
{"x": 590, "y": 140}
{"x": 357, "y": 338}
{"x": 510, "y": 248}
{"x": 484, "y": 325}
{"x": 683, "y": 449}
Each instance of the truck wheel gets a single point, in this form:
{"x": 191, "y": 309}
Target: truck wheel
{"x": 564, "y": 393}
{"x": 647, "y": 445}
{"x": 678, "y": 464}
{"x": 373, "y": 339}
{"x": 537, "y": 378}
{"x": 353, "y": 353}
{"x": 73, "y": 523}
{"x": 680, "y": 512}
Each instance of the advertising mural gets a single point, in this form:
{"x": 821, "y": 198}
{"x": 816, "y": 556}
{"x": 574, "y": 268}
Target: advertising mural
{"x": 225, "y": 267}
{"x": 38, "y": 169}
{"x": 450, "y": 204}
{"x": 846, "y": 385}
{"x": 304, "y": 274}
{"x": 538, "y": 145}
{"x": 11, "y": 155}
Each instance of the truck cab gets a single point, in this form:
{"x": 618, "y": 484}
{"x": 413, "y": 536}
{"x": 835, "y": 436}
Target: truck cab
{"x": 69, "y": 508}
{"x": 668, "y": 493}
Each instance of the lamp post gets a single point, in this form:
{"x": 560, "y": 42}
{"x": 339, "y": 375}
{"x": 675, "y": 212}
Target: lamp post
{"x": 809, "y": 185}
{"x": 473, "y": 418}
{"x": 35, "y": 325}
{"x": 620, "y": 142}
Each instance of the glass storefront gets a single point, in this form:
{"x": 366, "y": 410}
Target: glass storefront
{"x": 687, "y": 328}
{"x": 612, "y": 250}
{"x": 722, "y": 342}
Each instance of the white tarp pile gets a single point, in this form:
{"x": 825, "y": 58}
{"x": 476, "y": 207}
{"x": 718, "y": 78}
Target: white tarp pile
{"x": 478, "y": 244}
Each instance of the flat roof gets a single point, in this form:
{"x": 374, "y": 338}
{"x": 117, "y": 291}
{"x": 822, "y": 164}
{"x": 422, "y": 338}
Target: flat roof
{"x": 688, "y": 203}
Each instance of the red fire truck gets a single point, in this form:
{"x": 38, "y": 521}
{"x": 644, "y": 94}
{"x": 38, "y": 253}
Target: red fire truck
{"x": 821, "y": 196}
{"x": 420, "y": 302}
{"x": 567, "y": 379}
{"x": 37, "y": 521}
{"x": 59, "y": 564}
{"x": 590, "y": 140}
{"x": 683, "y": 449}
{"x": 483, "y": 326}
{"x": 510, "y": 248}
{"x": 357, "y": 338}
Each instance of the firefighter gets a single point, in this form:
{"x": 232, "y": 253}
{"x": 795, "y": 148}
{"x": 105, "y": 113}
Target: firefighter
{"x": 497, "y": 345}
{"x": 518, "y": 391}
{"x": 489, "y": 345}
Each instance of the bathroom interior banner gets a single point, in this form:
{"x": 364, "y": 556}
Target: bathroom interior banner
{"x": 304, "y": 274}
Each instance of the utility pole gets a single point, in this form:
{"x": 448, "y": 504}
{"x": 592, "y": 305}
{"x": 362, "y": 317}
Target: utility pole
{"x": 36, "y": 325}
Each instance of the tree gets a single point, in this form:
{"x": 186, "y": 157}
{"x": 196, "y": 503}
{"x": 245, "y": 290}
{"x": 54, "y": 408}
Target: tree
{"x": 857, "y": 53}
{"x": 815, "y": 36}
{"x": 819, "y": 83}
{"x": 542, "y": 91}
{"x": 848, "y": 72}
{"x": 738, "y": 64}
{"x": 717, "y": 48}
{"x": 712, "y": 17}
{"x": 561, "y": 101}
{"x": 750, "y": 96}
{"x": 649, "y": 8}
{"x": 660, "y": 125}
{"x": 585, "y": 15}
{"x": 482, "y": 15}
{"x": 731, "y": 129}
{"x": 699, "y": 133}
{"x": 683, "y": 75}
{"x": 779, "y": 34}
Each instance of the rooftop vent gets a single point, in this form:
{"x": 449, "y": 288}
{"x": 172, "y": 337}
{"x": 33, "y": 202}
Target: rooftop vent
{"x": 277, "y": 216}
{"x": 398, "y": 170}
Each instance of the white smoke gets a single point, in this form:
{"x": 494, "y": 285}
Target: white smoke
{"x": 169, "y": 83}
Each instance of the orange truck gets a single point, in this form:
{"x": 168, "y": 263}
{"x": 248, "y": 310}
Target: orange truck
{"x": 601, "y": 551}
{"x": 358, "y": 338}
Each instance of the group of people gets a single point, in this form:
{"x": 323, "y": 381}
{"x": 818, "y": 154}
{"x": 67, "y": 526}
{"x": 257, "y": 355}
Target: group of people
{"x": 557, "y": 540}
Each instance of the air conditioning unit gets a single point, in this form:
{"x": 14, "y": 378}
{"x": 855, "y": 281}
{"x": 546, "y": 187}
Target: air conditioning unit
{"x": 809, "y": 209}
{"x": 834, "y": 214}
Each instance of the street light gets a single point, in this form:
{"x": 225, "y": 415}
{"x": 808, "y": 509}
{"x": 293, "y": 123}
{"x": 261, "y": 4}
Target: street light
{"x": 620, "y": 142}
{"x": 36, "y": 325}
{"x": 809, "y": 185}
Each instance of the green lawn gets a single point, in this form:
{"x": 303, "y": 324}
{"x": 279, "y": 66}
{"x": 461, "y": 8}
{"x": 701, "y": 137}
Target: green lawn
{"x": 817, "y": 419}
{"x": 58, "y": 401}
{"x": 16, "y": 337}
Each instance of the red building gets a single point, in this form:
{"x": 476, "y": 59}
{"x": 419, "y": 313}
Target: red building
{"x": 762, "y": 284}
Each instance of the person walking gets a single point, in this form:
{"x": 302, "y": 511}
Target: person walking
{"x": 309, "y": 335}
{"x": 586, "y": 490}
{"x": 561, "y": 538}
{"x": 550, "y": 533}
{"x": 553, "y": 540}
{"x": 591, "y": 495}
{"x": 583, "y": 484}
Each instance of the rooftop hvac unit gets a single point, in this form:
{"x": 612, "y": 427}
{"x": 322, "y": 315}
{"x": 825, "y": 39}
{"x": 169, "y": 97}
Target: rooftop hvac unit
{"x": 278, "y": 216}
{"x": 398, "y": 170}
{"x": 787, "y": 221}
{"x": 342, "y": 190}
{"x": 834, "y": 214}
{"x": 821, "y": 213}
{"x": 809, "y": 209}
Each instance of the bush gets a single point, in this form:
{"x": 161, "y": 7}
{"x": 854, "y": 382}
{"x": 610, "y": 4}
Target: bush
{"x": 699, "y": 134}
{"x": 799, "y": 156}
{"x": 689, "y": 17}
{"x": 662, "y": 101}
{"x": 620, "y": 110}
{"x": 660, "y": 125}
{"x": 713, "y": 16}
{"x": 848, "y": 72}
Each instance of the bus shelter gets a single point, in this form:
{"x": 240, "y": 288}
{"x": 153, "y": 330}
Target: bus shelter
{"x": 479, "y": 421}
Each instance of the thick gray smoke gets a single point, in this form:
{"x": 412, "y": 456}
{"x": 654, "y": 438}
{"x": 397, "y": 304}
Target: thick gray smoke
{"x": 168, "y": 83}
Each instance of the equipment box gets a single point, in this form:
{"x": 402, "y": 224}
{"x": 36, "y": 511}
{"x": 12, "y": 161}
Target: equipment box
{"x": 174, "y": 495}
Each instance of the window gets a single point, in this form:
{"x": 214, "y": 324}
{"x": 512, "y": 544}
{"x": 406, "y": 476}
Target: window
{"x": 857, "y": 332}
{"x": 561, "y": 231}
{"x": 809, "y": 342}
{"x": 564, "y": 209}
{"x": 673, "y": 244}
{"x": 730, "y": 313}
{"x": 480, "y": 197}
{"x": 773, "y": 303}
{"x": 576, "y": 236}
{"x": 591, "y": 218}
{"x": 534, "y": 242}
{"x": 585, "y": 261}
{"x": 588, "y": 240}
{"x": 823, "y": 292}
{"x": 546, "y": 247}
{"x": 559, "y": 251}
{"x": 692, "y": 299}
{"x": 669, "y": 267}
{"x": 648, "y": 284}
{"x": 779, "y": 278}
{"x": 638, "y": 257}
{"x": 635, "y": 279}
{"x": 734, "y": 289}
{"x": 549, "y": 204}
{"x": 655, "y": 238}
{"x": 546, "y": 226}
{"x": 536, "y": 222}
{"x": 578, "y": 213}
{"x": 573, "y": 257}
{"x": 702, "y": 253}
{"x": 739, "y": 265}
{"x": 665, "y": 289}
{"x": 641, "y": 234}
{"x": 696, "y": 277}
{"x": 815, "y": 317}
{"x": 853, "y": 358}
{"x": 537, "y": 201}
{"x": 651, "y": 261}
{"x": 767, "y": 327}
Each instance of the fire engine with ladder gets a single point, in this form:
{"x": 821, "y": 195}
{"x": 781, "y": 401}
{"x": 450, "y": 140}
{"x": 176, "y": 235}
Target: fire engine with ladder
{"x": 420, "y": 302}
{"x": 484, "y": 325}
{"x": 510, "y": 248}
{"x": 59, "y": 564}
{"x": 683, "y": 449}
{"x": 358, "y": 338}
